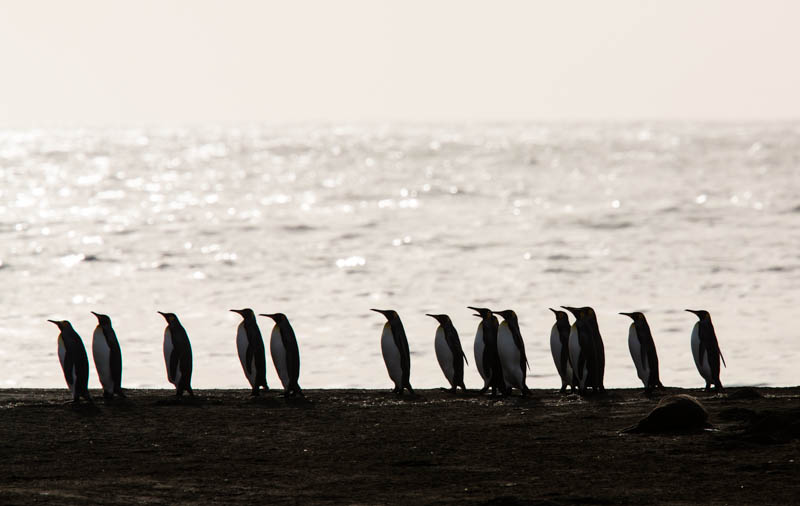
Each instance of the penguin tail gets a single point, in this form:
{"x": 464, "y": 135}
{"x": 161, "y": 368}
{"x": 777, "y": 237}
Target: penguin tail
{"x": 723, "y": 359}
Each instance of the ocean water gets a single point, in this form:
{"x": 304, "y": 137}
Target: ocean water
{"x": 324, "y": 222}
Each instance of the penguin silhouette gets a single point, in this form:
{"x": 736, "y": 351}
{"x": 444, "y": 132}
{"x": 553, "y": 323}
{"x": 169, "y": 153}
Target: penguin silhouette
{"x": 285, "y": 354}
{"x": 177, "y": 355}
{"x": 490, "y": 359}
{"x": 74, "y": 361}
{"x": 396, "y": 355}
{"x": 107, "y": 356}
{"x": 559, "y": 348}
{"x": 511, "y": 349}
{"x": 643, "y": 351}
{"x": 448, "y": 350}
{"x": 705, "y": 349}
{"x": 250, "y": 346}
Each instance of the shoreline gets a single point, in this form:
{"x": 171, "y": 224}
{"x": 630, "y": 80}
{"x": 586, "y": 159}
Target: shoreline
{"x": 370, "y": 447}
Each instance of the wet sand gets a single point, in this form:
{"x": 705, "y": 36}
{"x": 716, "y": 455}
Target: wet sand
{"x": 370, "y": 447}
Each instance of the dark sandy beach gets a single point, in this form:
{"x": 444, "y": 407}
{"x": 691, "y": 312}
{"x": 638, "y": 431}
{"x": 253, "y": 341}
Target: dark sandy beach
{"x": 370, "y": 447}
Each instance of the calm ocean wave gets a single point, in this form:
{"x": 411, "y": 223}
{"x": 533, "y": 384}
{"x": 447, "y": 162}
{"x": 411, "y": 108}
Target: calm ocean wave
{"x": 324, "y": 222}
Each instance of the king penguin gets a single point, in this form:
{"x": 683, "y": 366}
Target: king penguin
{"x": 74, "y": 361}
{"x": 177, "y": 355}
{"x": 643, "y": 351}
{"x": 107, "y": 357}
{"x": 586, "y": 350}
{"x": 705, "y": 349}
{"x": 250, "y": 346}
{"x": 394, "y": 347}
{"x": 489, "y": 365}
{"x": 511, "y": 349}
{"x": 285, "y": 354}
{"x": 559, "y": 347}
{"x": 449, "y": 353}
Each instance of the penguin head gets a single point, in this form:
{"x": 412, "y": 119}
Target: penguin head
{"x": 560, "y": 315}
{"x": 275, "y": 316}
{"x": 508, "y": 314}
{"x": 483, "y": 312}
{"x": 102, "y": 319}
{"x": 700, "y": 313}
{"x": 441, "y": 318}
{"x": 635, "y": 316}
{"x": 576, "y": 311}
{"x": 245, "y": 313}
{"x": 170, "y": 317}
{"x": 388, "y": 313}
{"x": 61, "y": 324}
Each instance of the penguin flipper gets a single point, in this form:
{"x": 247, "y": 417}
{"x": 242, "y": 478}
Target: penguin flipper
{"x": 69, "y": 365}
{"x": 173, "y": 365}
{"x": 248, "y": 359}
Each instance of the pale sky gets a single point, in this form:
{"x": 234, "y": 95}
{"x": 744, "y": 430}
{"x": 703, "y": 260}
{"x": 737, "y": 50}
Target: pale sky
{"x": 90, "y": 62}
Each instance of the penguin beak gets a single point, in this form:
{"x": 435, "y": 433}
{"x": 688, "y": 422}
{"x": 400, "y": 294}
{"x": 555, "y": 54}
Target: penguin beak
{"x": 381, "y": 311}
{"x": 55, "y": 322}
{"x": 572, "y": 310}
{"x": 238, "y": 311}
{"x": 268, "y": 315}
{"x": 627, "y": 314}
{"x": 555, "y": 311}
{"x": 692, "y": 311}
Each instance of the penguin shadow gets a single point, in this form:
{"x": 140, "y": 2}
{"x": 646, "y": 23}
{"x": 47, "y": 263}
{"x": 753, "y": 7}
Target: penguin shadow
{"x": 407, "y": 397}
{"x": 186, "y": 400}
{"x": 83, "y": 409}
{"x": 265, "y": 401}
{"x": 120, "y": 403}
{"x": 298, "y": 401}
{"x": 601, "y": 397}
{"x": 518, "y": 399}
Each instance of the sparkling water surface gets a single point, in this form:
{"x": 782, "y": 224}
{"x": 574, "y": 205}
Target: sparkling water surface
{"x": 324, "y": 222}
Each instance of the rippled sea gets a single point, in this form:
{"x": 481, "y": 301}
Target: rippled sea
{"x": 323, "y": 222}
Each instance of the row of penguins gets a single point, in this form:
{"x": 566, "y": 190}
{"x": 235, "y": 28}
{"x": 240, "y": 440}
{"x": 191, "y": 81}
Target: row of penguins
{"x": 500, "y": 357}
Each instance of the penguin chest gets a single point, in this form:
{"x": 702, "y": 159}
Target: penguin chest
{"x": 279, "y": 358}
{"x": 557, "y": 351}
{"x": 704, "y": 367}
{"x": 71, "y": 375}
{"x": 640, "y": 361}
{"x": 479, "y": 347}
{"x": 391, "y": 355}
{"x": 174, "y": 376}
{"x": 101, "y": 353}
{"x": 444, "y": 355}
{"x": 509, "y": 357}
{"x": 242, "y": 345}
